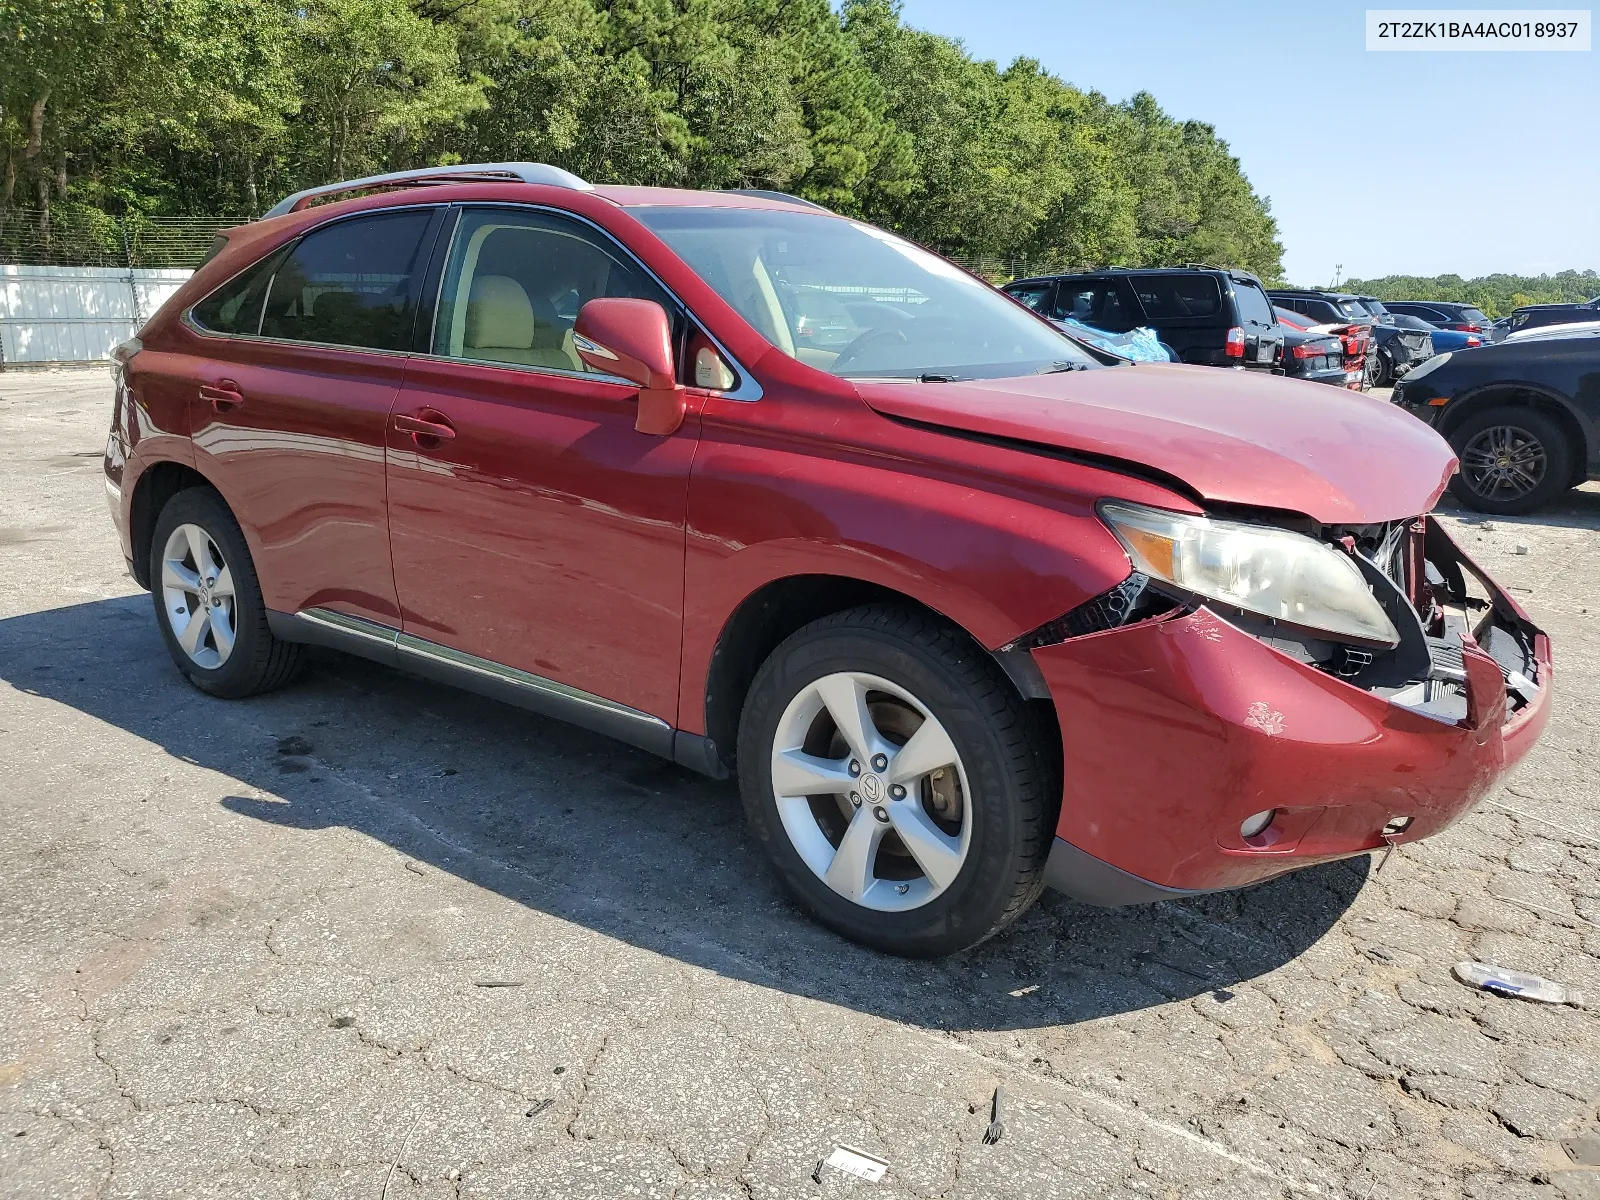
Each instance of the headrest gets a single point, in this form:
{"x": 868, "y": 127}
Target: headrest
{"x": 498, "y": 314}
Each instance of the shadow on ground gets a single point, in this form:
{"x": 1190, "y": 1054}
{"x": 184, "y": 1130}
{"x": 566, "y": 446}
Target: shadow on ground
{"x": 621, "y": 842}
{"x": 1578, "y": 508}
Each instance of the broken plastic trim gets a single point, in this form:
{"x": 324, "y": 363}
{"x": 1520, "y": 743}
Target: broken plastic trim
{"x": 1131, "y": 600}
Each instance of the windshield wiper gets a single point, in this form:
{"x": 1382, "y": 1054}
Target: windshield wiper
{"x": 1057, "y": 367}
{"x": 933, "y": 377}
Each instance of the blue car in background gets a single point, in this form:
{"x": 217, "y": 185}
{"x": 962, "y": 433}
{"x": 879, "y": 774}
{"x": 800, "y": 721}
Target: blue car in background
{"x": 1443, "y": 339}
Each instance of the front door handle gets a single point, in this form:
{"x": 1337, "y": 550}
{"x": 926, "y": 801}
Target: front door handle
{"x": 222, "y": 395}
{"x": 427, "y": 424}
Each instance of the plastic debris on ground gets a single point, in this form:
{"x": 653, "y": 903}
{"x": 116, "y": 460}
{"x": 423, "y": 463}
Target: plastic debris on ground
{"x": 1516, "y": 984}
{"x": 853, "y": 1162}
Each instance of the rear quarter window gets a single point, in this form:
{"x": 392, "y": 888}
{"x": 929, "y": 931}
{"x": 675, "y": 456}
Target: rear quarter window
{"x": 1167, "y": 296}
{"x": 235, "y": 307}
{"x": 1254, "y": 307}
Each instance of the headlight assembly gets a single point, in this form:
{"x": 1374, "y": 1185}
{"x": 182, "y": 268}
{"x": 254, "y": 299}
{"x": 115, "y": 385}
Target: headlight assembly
{"x": 1269, "y": 572}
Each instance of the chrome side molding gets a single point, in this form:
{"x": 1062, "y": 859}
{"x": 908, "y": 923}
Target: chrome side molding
{"x": 385, "y": 644}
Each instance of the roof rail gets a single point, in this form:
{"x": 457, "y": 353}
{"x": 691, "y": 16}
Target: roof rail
{"x": 768, "y": 194}
{"x": 513, "y": 172}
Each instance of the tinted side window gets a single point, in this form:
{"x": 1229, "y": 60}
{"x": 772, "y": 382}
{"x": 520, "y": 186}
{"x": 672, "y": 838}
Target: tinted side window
{"x": 1322, "y": 312}
{"x": 1033, "y": 296}
{"x": 515, "y": 282}
{"x": 1254, "y": 309}
{"x": 1178, "y": 295}
{"x": 351, "y": 283}
{"x": 235, "y": 307}
{"x": 1094, "y": 302}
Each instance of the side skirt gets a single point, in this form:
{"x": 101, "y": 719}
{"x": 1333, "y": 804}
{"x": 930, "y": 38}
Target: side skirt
{"x": 381, "y": 643}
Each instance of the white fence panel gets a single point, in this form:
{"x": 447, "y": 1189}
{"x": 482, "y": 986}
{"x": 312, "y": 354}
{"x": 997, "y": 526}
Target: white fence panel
{"x": 76, "y": 314}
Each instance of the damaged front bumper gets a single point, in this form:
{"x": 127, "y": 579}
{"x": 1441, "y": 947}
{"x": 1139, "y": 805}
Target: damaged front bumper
{"x": 1178, "y": 727}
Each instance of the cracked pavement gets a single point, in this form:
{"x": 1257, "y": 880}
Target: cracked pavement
{"x": 370, "y": 937}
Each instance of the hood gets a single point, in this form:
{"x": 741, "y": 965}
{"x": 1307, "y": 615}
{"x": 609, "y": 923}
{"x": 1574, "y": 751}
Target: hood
{"x": 1231, "y": 437}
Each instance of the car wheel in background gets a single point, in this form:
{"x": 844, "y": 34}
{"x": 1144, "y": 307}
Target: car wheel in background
{"x": 1382, "y": 370}
{"x": 208, "y": 601}
{"x": 1513, "y": 460}
{"x": 900, "y": 785}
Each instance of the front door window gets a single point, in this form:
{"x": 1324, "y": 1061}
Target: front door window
{"x": 515, "y": 283}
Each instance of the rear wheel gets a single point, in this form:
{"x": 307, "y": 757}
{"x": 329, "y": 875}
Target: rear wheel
{"x": 1382, "y": 369}
{"x": 897, "y": 781}
{"x": 1514, "y": 460}
{"x": 208, "y": 601}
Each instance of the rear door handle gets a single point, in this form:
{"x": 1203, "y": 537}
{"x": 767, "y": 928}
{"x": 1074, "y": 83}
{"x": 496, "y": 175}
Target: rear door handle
{"x": 426, "y": 425}
{"x": 222, "y": 395}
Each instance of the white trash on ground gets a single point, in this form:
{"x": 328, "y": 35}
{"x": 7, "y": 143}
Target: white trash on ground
{"x": 1517, "y": 984}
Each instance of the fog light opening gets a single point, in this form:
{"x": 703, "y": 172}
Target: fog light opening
{"x": 1397, "y": 825}
{"x": 1252, "y": 826}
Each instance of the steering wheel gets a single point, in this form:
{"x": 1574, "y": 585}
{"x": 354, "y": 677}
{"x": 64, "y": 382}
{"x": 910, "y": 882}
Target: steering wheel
{"x": 865, "y": 342}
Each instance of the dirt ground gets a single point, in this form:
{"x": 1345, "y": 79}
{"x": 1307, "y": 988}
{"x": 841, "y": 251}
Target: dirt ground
{"x": 368, "y": 937}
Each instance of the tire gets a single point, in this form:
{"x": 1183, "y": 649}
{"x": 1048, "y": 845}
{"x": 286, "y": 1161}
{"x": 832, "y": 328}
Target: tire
{"x": 910, "y": 668}
{"x": 1382, "y": 370}
{"x": 1518, "y": 435}
{"x": 255, "y": 661}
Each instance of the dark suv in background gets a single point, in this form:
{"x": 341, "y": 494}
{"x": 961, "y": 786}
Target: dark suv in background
{"x": 1530, "y": 316}
{"x": 1209, "y": 316}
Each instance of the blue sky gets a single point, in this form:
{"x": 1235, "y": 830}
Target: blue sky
{"x": 1365, "y": 156}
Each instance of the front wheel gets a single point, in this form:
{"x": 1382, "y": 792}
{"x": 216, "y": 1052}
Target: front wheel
{"x": 899, "y": 784}
{"x": 1513, "y": 460}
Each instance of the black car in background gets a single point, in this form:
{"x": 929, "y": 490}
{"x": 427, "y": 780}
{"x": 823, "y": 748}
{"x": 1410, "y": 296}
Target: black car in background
{"x": 1523, "y": 418}
{"x": 1397, "y": 350}
{"x": 1446, "y": 314}
{"x": 1375, "y": 306}
{"x": 1531, "y": 315}
{"x": 1209, "y": 316}
{"x": 1314, "y": 357}
{"x": 1324, "y": 308}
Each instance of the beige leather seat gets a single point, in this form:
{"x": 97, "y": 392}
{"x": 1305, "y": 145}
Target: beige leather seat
{"x": 503, "y": 325}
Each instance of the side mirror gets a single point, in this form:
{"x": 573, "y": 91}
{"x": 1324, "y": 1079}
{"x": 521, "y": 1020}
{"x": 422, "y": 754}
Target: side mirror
{"x": 633, "y": 339}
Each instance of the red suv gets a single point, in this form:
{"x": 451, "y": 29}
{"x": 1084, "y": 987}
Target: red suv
{"x": 767, "y": 490}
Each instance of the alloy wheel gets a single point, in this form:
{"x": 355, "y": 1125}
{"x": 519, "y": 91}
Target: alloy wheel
{"x": 871, "y": 791}
{"x": 1503, "y": 462}
{"x": 197, "y": 593}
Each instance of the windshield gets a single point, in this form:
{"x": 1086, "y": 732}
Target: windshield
{"x": 855, "y": 301}
{"x": 1474, "y": 316}
{"x": 1351, "y": 308}
{"x": 1375, "y": 307}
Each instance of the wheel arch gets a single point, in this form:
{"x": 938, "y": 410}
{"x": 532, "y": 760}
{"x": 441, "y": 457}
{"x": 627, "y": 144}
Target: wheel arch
{"x": 784, "y": 605}
{"x": 156, "y": 485}
{"x": 1512, "y": 395}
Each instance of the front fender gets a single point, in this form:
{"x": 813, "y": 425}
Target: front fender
{"x": 999, "y": 544}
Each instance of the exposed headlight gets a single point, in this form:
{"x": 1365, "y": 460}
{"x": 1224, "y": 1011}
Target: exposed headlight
{"x": 1432, "y": 364}
{"x": 1270, "y": 572}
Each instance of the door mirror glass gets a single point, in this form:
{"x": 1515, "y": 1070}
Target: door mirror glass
{"x": 633, "y": 338}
